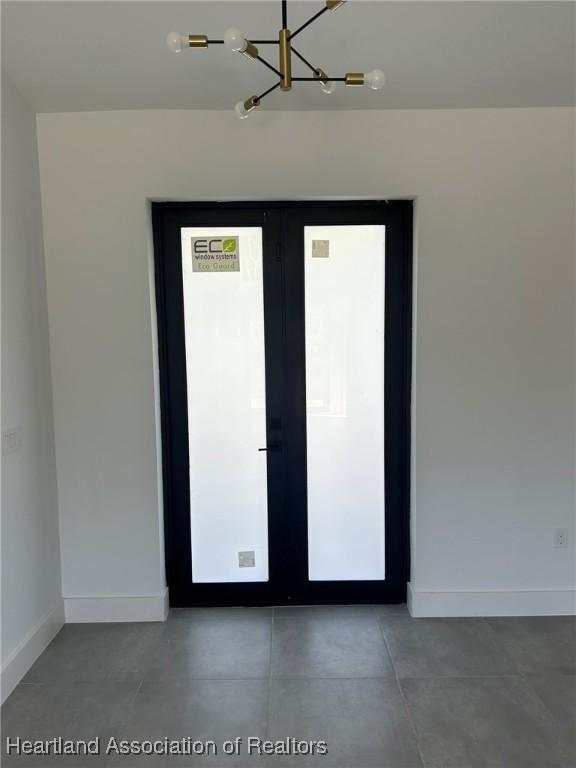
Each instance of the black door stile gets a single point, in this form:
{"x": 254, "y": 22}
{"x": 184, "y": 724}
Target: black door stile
{"x": 283, "y": 273}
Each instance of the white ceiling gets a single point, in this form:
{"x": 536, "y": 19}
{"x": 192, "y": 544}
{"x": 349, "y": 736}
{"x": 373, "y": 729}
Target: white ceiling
{"x": 74, "y": 56}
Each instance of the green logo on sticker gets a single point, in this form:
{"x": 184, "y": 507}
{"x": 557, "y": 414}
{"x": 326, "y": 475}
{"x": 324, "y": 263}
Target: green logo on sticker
{"x": 229, "y": 246}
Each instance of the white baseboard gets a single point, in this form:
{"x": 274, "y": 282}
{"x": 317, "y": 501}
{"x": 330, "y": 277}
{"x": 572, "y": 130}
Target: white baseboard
{"x": 116, "y": 608}
{"x": 28, "y": 649}
{"x": 491, "y": 602}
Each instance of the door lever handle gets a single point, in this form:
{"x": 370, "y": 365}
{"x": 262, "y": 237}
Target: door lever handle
{"x": 273, "y": 447}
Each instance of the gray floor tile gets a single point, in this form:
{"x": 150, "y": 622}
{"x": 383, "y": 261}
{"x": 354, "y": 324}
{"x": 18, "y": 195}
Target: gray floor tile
{"x": 558, "y": 693}
{"x": 390, "y": 611}
{"x": 482, "y": 723}
{"x": 83, "y": 653}
{"x": 329, "y": 646}
{"x": 445, "y": 647}
{"x": 364, "y": 722}
{"x": 323, "y": 611}
{"x": 71, "y": 710}
{"x": 460, "y": 678}
{"x": 539, "y": 644}
{"x": 190, "y": 614}
{"x": 204, "y": 710}
{"x": 232, "y": 645}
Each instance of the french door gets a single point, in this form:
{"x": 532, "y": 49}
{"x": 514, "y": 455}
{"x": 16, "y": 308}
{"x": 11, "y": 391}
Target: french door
{"x": 284, "y": 347}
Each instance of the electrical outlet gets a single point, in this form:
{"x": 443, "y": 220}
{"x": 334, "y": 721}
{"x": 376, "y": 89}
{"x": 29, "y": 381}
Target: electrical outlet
{"x": 561, "y": 537}
{"x": 11, "y": 440}
{"x": 246, "y": 559}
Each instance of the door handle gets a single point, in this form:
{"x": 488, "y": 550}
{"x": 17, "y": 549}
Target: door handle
{"x": 274, "y": 447}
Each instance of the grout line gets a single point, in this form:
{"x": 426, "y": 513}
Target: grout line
{"x": 511, "y": 676}
{"x": 501, "y": 647}
{"x": 332, "y": 677}
{"x": 181, "y": 679}
{"x": 136, "y": 692}
{"x": 109, "y": 681}
{"x": 153, "y": 652}
{"x": 402, "y": 696}
{"x": 267, "y": 723}
{"x": 350, "y": 617}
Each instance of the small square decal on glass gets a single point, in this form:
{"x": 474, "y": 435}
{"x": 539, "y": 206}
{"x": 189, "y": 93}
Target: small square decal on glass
{"x": 320, "y": 249}
{"x": 246, "y": 559}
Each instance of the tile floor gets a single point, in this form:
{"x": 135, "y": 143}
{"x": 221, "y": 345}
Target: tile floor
{"x": 382, "y": 689}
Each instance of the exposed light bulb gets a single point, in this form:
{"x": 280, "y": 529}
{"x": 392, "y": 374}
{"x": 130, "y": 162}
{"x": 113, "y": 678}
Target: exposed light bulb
{"x": 328, "y": 86}
{"x": 241, "y": 111}
{"x": 234, "y": 40}
{"x": 176, "y": 41}
{"x": 243, "y": 108}
{"x": 375, "y": 79}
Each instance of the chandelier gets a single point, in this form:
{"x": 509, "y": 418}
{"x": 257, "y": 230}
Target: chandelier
{"x": 235, "y": 41}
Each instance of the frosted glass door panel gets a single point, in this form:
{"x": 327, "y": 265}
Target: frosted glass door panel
{"x": 224, "y": 328}
{"x": 344, "y": 305}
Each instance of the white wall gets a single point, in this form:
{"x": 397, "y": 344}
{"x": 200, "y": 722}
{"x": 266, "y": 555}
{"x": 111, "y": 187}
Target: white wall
{"x": 32, "y": 609}
{"x": 493, "y": 472}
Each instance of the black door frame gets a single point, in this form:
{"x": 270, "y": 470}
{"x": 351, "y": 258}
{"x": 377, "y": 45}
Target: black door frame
{"x": 283, "y": 246}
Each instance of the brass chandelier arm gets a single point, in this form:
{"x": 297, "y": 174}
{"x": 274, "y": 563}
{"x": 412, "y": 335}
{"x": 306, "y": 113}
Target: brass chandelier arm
{"x": 254, "y": 42}
{"x": 305, "y": 61}
{"x": 315, "y": 79}
{"x": 307, "y": 23}
{"x": 273, "y": 88}
{"x": 267, "y": 64}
